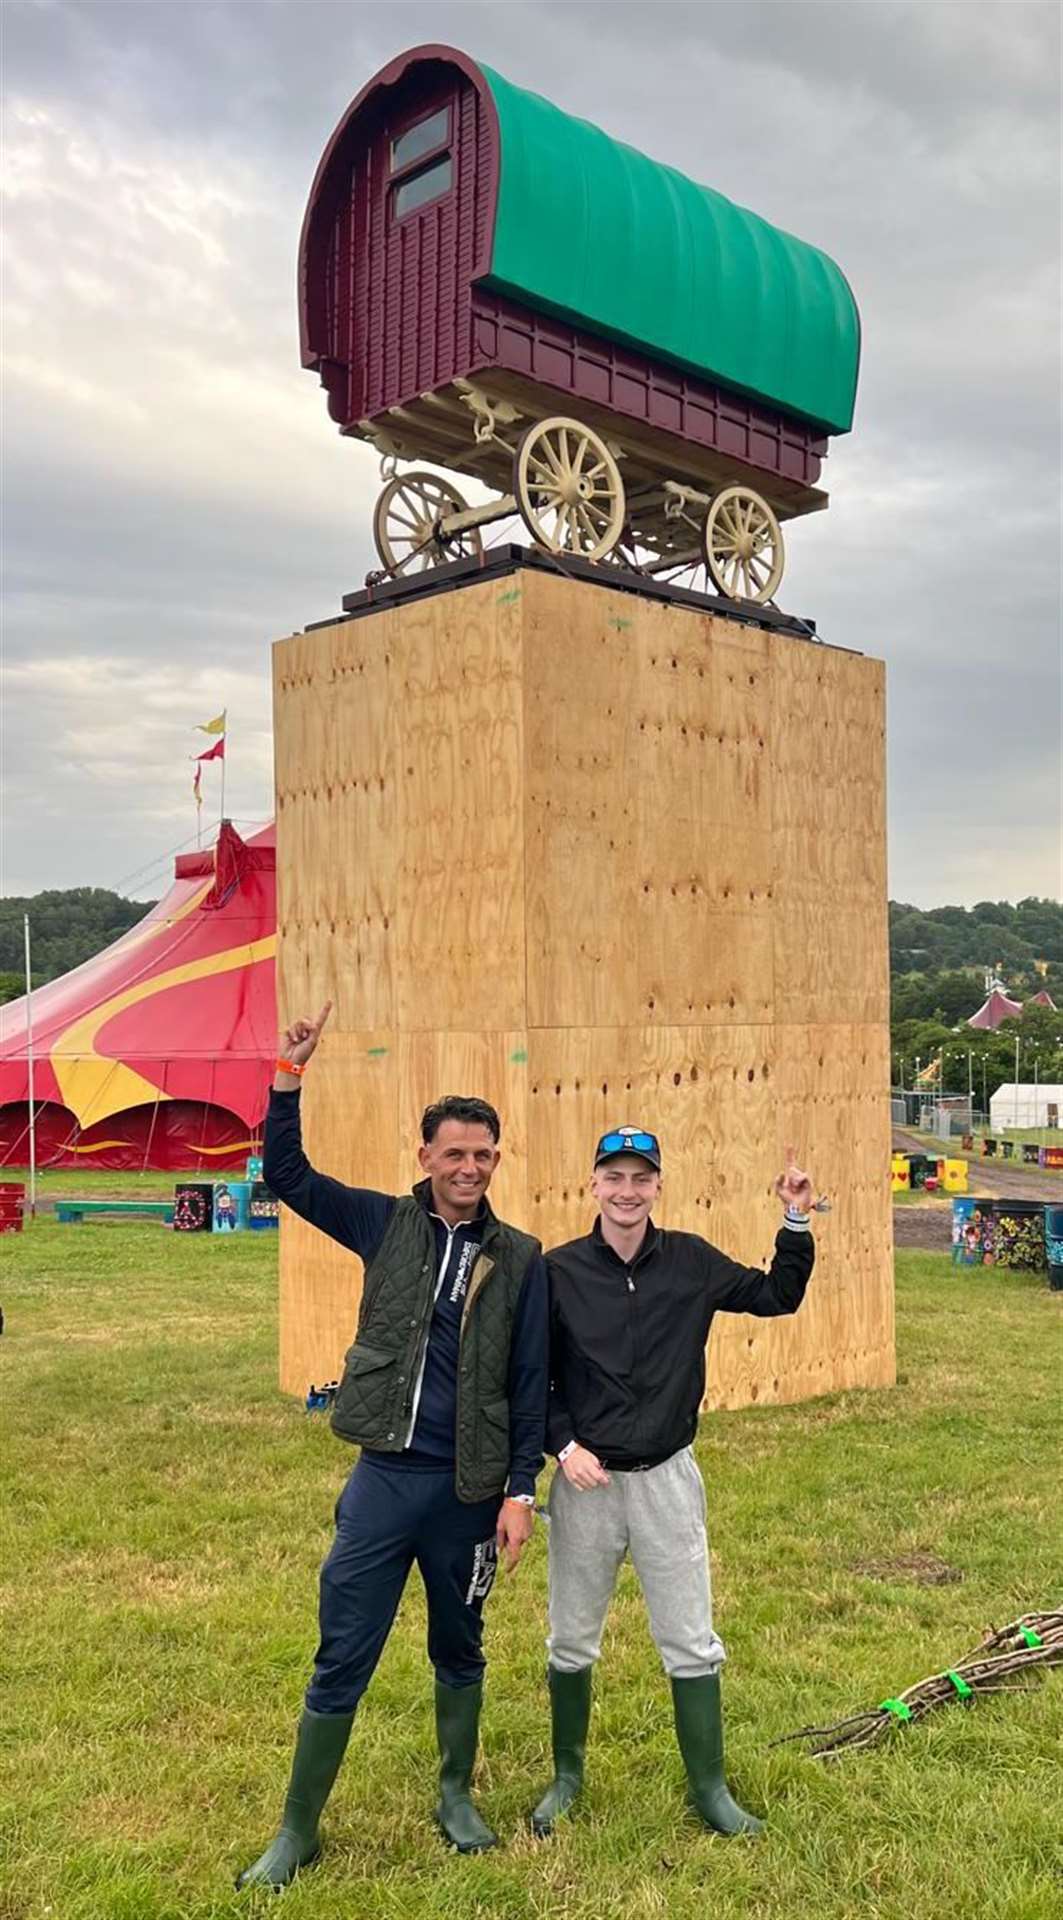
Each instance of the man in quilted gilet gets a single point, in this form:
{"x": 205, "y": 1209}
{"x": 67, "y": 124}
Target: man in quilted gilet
{"x": 445, "y": 1391}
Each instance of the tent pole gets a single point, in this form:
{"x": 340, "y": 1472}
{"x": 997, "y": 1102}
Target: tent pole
{"x": 29, "y": 1063}
{"x": 224, "y": 757}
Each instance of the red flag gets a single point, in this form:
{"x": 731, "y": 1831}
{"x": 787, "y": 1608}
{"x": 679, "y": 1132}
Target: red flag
{"x": 216, "y": 752}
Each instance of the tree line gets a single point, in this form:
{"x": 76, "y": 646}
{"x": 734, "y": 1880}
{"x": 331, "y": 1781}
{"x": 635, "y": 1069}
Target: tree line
{"x": 938, "y": 961}
{"x": 67, "y": 927}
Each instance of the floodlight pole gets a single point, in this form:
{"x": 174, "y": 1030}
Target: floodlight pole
{"x": 29, "y": 1062}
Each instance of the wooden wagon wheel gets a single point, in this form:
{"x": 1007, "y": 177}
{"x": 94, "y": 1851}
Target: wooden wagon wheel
{"x": 406, "y": 524}
{"x": 568, "y": 488}
{"x": 743, "y": 545}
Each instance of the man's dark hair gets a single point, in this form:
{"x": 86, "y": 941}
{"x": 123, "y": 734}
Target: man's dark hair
{"x": 459, "y": 1106}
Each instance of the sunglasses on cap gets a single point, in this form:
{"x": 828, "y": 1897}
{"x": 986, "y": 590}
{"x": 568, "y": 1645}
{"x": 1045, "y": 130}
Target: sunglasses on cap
{"x": 629, "y": 1140}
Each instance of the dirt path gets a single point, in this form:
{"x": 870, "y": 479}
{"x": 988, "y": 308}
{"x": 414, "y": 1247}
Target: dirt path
{"x": 1000, "y": 1180}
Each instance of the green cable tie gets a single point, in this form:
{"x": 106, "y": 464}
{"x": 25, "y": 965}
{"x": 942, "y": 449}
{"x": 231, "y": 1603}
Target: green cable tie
{"x": 899, "y": 1709}
{"x": 963, "y": 1691}
{"x": 1031, "y": 1638}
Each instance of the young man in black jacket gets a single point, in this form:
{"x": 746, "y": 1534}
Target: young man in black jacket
{"x": 630, "y": 1312}
{"x": 445, "y": 1392}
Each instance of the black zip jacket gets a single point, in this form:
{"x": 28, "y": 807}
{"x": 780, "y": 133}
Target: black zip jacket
{"x": 627, "y": 1342}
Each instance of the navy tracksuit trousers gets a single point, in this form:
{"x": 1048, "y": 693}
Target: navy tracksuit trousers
{"x": 387, "y": 1518}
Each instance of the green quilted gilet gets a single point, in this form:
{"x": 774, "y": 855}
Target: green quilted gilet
{"x": 374, "y": 1404}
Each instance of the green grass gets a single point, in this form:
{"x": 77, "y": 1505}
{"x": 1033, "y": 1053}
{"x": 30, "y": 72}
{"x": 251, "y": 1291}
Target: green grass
{"x": 165, "y": 1512}
{"x": 98, "y": 1183}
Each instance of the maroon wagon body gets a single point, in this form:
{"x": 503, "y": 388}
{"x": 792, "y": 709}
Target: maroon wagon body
{"x": 391, "y": 313}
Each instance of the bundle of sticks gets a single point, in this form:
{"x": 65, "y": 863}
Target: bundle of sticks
{"x": 1006, "y": 1661}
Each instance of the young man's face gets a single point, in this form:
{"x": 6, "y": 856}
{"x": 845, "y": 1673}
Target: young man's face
{"x": 625, "y": 1188}
{"x": 459, "y": 1161}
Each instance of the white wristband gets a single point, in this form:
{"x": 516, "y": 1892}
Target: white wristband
{"x": 565, "y": 1451}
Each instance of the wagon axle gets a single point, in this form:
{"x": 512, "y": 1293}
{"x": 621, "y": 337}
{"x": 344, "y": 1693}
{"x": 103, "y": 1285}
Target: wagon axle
{"x": 568, "y": 490}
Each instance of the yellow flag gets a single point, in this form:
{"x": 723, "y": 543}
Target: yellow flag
{"x": 213, "y": 726}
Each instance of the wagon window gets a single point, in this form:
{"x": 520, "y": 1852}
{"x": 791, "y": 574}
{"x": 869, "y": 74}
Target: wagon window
{"x": 420, "y": 139}
{"x": 422, "y": 187}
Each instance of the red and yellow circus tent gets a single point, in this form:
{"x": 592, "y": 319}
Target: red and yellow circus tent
{"x": 159, "y": 1051}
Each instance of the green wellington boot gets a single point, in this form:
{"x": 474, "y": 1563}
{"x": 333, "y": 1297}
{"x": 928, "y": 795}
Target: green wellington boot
{"x": 457, "y": 1729}
{"x": 320, "y": 1746}
{"x": 699, "y": 1726}
{"x": 570, "y": 1714}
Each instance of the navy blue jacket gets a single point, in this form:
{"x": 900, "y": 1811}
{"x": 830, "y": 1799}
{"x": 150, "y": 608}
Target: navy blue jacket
{"x": 356, "y": 1217}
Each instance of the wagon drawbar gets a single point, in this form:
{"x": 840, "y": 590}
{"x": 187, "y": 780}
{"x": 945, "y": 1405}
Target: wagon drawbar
{"x": 644, "y": 372}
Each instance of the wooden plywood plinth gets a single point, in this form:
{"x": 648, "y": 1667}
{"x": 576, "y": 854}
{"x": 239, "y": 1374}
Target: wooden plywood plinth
{"x": 597, "y": 859}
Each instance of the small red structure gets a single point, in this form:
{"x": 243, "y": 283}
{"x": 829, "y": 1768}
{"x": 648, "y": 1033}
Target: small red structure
{"x": 159, "y": 1051}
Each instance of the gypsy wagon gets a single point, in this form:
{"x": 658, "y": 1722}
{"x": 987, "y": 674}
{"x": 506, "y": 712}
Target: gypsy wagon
{"x": 645, "y": 372}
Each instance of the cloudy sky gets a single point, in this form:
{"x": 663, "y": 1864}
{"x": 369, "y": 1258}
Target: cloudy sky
{"x": 175, "y": 496}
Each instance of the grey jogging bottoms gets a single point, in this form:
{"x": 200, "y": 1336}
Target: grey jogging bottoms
{"x": 659, "y": 1518}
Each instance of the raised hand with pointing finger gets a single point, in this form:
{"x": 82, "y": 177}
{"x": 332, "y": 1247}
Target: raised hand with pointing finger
{"x": 794, "y": 1187}
{"x": 296, "y": 1045}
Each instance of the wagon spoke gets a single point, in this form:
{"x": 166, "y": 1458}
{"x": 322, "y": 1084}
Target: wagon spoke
{"x": 545, "y": 469}
{"x": 553, "y": 460}
{"x": 593, "y": 532}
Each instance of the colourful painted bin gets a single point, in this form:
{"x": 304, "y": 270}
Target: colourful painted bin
{"x": 900, "y": 1173}
{"x": 955, "y": 1176}
{"x": 972, "y": 1231}
{"x": 1054, "y": 1247}
{"x": 1019, "y": 1235}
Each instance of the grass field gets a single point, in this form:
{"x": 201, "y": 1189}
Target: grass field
{"x": 98, "y": 1183}
{"x": 164, "y": 1514}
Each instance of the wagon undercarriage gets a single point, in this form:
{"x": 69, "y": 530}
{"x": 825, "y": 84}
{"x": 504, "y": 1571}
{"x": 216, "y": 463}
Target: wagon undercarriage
{"x": 579, "y": 488}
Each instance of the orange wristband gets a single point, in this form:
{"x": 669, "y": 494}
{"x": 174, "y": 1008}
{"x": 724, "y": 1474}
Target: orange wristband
{"x": 289, "y": 1066}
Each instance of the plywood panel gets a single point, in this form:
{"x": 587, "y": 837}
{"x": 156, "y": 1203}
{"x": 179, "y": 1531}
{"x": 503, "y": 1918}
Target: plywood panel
{"x": 336, "y": 749}
{"x": 828, "y": 822}
{"x": 581, "y": 803}
{"x": 705, "y": 850}
{"x": 460, "y": 826}
{"x": 831, "y": 1104}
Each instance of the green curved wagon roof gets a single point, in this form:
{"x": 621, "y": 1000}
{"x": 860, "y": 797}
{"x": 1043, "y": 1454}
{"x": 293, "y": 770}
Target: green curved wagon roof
{"x": 596, "y": 232}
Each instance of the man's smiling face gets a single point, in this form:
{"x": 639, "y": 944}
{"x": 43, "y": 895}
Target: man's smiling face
{"x": 459, "y": 1161}
{"x": 625, "y": 1187}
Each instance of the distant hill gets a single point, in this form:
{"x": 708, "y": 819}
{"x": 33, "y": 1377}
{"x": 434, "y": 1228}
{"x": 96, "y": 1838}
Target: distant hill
{"x": 66, "y": 927}
{"x": 938, "y": 963}
{"x": 992, "y": 934}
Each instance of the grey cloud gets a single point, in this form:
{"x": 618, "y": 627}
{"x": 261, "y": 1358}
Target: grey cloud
{"x": 177, "y": 496}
